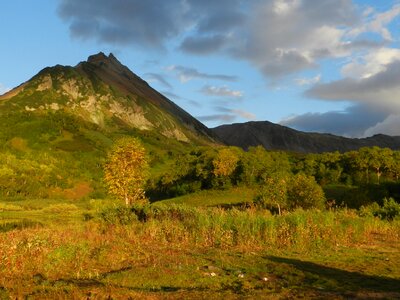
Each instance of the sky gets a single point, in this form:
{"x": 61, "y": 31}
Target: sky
{"x": 328, "y": 66}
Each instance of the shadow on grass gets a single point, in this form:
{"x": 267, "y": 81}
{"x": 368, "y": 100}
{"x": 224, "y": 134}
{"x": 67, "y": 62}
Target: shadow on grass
{"x": 22, "y": 224}
{"x": 345, "y": 280}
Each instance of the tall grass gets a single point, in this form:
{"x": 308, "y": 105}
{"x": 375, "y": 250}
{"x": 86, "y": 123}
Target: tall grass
{"x": 118, "y": 238}
{"x": 215, "y": 227}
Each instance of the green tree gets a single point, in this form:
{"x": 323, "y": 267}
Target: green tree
{"x": 273, "y": 193}
{"x": 126, "y": 169}
{"x": 381, "y": 160}
{"x": 253, "y": 164}
{"x": 303, "y": 191}
{"x": 395, "y": 167}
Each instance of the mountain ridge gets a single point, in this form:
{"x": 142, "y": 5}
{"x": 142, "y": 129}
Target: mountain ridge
{"x": 101, "y": 89}
{"x": 277, "y": 137}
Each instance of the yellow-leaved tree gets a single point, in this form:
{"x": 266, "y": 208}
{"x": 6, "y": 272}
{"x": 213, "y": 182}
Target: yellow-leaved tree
{"x": 126, "y": 170}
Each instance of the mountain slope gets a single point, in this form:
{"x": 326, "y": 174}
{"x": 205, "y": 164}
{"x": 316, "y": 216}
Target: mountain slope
{"x": 58, "y": 126}
{"x": 106, "y": 93}
{"x": 277, "y": 137}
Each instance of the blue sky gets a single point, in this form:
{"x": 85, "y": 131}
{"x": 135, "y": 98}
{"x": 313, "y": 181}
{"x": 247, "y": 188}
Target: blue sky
{"x": 327, "y": 65}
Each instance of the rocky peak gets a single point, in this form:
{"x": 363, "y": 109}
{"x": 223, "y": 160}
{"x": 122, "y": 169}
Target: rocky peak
{"x": 102, "y": 60}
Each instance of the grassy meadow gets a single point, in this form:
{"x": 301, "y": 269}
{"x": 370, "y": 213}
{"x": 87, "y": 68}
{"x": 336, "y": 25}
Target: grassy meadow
{"x": 179, "y": 249}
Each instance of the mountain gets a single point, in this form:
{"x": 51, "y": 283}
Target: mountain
{"x": 276, "y": 137}
{"x": 58, "y": 126}
{"x": 106, "y": 93}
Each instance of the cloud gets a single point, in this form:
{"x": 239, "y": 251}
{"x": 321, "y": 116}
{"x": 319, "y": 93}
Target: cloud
{"x": 351, "y": 122}
{"x": 217, "y": 117}
{"x": 173, "y": 96}
{"x": 203, "y": 45}
{"x": 149, "y": 23}
{"x": 375, "y": 98}
{"x": 238, "y": 112}
{"x": 222, "y": 91}
{"x": 380, "y": 90}
{"x": 142, "y": 23}
{"x": 186, "y": 74}
{"x": 227, "y": 115}
{"x": 378, "y": 23}
{"x": 371, "y": 63}
{"x": 389, "y": 126}
{"x": 158, "y": 78}
{"x": 3, "y": 89}
{"x": 278, "y": 37}
{"x": 308, "y": 81}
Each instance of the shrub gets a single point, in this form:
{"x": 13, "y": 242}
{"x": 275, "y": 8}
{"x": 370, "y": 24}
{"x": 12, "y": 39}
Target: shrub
{"x": 118, "y": 215}
{"x": 388, "y": 211}
{"x": 303, "y": 191}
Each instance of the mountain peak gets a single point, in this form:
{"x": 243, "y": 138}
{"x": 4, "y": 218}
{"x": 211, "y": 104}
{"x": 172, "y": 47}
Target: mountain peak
{"x": 101, "y": 59}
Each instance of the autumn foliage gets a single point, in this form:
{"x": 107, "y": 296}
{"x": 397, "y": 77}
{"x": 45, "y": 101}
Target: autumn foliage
{"x": 126, "y": 169}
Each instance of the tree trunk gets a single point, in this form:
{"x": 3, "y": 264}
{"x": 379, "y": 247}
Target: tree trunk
{"x": 378, "y": 174}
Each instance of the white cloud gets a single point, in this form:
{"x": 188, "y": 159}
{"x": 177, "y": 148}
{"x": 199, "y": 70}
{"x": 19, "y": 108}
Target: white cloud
{"x": 379, "y": 90}
{"x": 375, "y": 99}
{"x": 308, "y": 81}
{"x": 377, "y": 23}
{"x": 371, "y": 63}
{"x": 222, "y": 91}
{"x": 389, "y": 126}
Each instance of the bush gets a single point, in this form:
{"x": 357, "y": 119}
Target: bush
{"x": 121, "y": 215}
{"x": 388, "y": 211}
{"x": 303, "y": 191}
{"x": 290, "y": 192}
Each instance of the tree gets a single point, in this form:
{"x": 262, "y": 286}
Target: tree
{"x": 126, "y": 169}
{"x": 273, "y": 193}
{"x": 395, "y": 168}
{"x": 303, "y": 191}
{"x": 225, "y": 164}
{"x": 253, "y": 164}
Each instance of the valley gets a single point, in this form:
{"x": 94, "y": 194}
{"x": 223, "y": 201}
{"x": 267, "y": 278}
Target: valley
{"x": 261, "y": 213}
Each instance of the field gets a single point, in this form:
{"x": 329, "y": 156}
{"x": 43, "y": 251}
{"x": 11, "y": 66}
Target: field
{"x": 98, "y": 249}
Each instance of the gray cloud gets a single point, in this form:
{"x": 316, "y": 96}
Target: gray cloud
{"x": 380, "y": 90}
{"x": 159, "y": 78}
{"x": 217, "y": 117}
{"x": 238, "y": 112}
{"x": 376, "y": 105}
{"x": 174, "y": 96}
{"x": 203, "y": 44}
{"x": 148, "y": 23}
{"x": 222, "y": 91}
{"x": 278, "y": 37}
{"x": 185, "y": 74}
{"x": 227, "y": 115}
{"x": 353, "y": 122}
